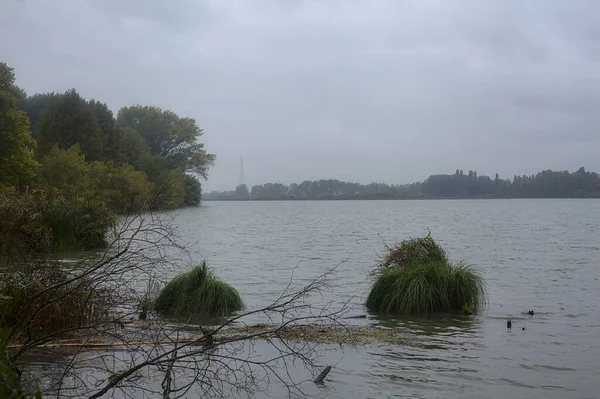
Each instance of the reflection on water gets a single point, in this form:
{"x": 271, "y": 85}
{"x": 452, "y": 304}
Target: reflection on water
{"x": 535, "y": 254}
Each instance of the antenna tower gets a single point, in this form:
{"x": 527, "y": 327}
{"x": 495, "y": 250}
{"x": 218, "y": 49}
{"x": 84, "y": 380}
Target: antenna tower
{"x": 242, "y": 171}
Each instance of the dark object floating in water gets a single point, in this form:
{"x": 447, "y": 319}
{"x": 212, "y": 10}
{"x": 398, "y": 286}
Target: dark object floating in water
{"x": 523, "y": 329}
{"x": 530, "y": 313}
{"x": 360, "y": 316}
{"x": 323, "y": 374}
{"x": 509, "y": 323}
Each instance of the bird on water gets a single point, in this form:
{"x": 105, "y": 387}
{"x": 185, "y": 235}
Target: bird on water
{"x": 509, "y": 323}
{"x": 531, "y": 313}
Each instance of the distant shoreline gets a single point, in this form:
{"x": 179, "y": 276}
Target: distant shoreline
{"x": 545, "y": 184}
{"x": 383, "y": 199}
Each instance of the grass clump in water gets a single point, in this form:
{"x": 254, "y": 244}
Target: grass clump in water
{"x": 418, "y": 250}
{"x": 420, "y": 280}
{"x": 198, "y": 292}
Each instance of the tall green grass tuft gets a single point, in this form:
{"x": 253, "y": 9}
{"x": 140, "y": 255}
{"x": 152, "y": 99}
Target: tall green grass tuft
{"x": 419, "y": 279}
{"x": 198, "y": 292}
{"x": 418, "y": 250}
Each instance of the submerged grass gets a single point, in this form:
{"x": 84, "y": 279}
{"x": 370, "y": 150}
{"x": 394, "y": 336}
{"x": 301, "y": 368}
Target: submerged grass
{"x": 427, "y": 288}
{"x": 198, "y": 292}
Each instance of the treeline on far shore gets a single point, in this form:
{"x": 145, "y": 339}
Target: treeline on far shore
{"x": 545, "y": 184}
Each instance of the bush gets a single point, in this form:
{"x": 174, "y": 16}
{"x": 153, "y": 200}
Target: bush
{"x": 42, "y": 220}
{"x": 29, "y": 305}
{"x": 416, "y": 278}
{"x": 198, "y": 292}
{"x": 121, "y": 188}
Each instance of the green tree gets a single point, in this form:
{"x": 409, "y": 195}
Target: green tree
{"x": 170, "y": 136}
{"x": 17, "y": 163}
{"x": 132, "y": 147}
{"x": 193, "y": 191}
{"x": 169, "y": 190}
{"x": 33, "y": 107}
{"x": 108, "y": 127}
{"x": 69, "y": 119}
{"x": 65, "y": 170}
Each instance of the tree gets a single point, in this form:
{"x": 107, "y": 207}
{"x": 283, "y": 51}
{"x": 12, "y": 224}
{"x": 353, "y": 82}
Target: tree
{"x": 241, "y": 192}
{"x": 17, "y": 164}
{"x": 33, "y": 107}
{"x": 65, "y": 170}
{"x": 108, "y": 127}
{"x": 123, "y": 189}
{"x": 193, "y": 191}
{"x": 132, "y": 147}
{"x": 69, "y": 119}
{"x": 169, "y": 136}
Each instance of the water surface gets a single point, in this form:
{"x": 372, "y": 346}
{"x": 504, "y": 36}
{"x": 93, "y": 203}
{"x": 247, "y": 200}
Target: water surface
{"x": 536, "y": 254}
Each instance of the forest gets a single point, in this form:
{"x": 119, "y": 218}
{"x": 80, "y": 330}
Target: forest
{"x": 145, "y": 157}
{"x": 545, "y": 184}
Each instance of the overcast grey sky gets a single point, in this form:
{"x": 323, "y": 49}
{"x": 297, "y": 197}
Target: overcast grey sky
{"x": 388, "y": 91}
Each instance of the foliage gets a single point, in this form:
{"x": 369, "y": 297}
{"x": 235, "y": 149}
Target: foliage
{"x": 64, "y": 169}
{"x": 426, "y": 288}
{"x": 33, "y": 309}
{"x": 169, "y": 191}
{"x": 193, "y": 191}
{"x": 198, "y": 292}
{"x": 68, "y": 119}
{"x": 78, "y": 224}
{"x": 42, "y": 221}
{"x": 33, "y": 107}
{"x": 132, "y": 146}
{"x": 123, "y": 189}
{"x": 139, "y": 160}
{"x": 169, "y": 136}
{"x": 413, "y": 251}
{"x": 17, "y": 164}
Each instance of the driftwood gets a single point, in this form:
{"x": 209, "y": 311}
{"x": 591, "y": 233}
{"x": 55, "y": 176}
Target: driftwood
{"x": 360, "y": 316}
{"x": 109, "y": 344}
{"x": 323, "y": 374}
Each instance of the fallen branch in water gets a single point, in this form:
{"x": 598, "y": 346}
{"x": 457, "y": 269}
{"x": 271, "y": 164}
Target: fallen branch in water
{"x": 323, "y": 374}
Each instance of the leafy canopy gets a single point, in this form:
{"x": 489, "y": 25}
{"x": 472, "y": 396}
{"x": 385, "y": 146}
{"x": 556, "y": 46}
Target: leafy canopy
{"x": 68, "y": 119}
{"x": 17, "y": 163}
{"x": 169, "y": 136}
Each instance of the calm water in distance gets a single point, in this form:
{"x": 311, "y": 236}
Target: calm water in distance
{"x": 535, "y": 254}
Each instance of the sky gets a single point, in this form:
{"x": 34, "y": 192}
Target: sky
{"x": 387, "y": 91}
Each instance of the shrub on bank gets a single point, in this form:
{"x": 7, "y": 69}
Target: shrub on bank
{"x": 415, "y": 277}
{"x": 42, "y": 298}
{"x": 41, "y": 221}
{"x": 198, "y": 292}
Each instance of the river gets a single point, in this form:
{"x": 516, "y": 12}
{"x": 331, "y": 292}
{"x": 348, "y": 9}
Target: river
{"x": 542, "y": 255}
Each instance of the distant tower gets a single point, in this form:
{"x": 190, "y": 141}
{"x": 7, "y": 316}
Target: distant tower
{"x": 242, "y": 171}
